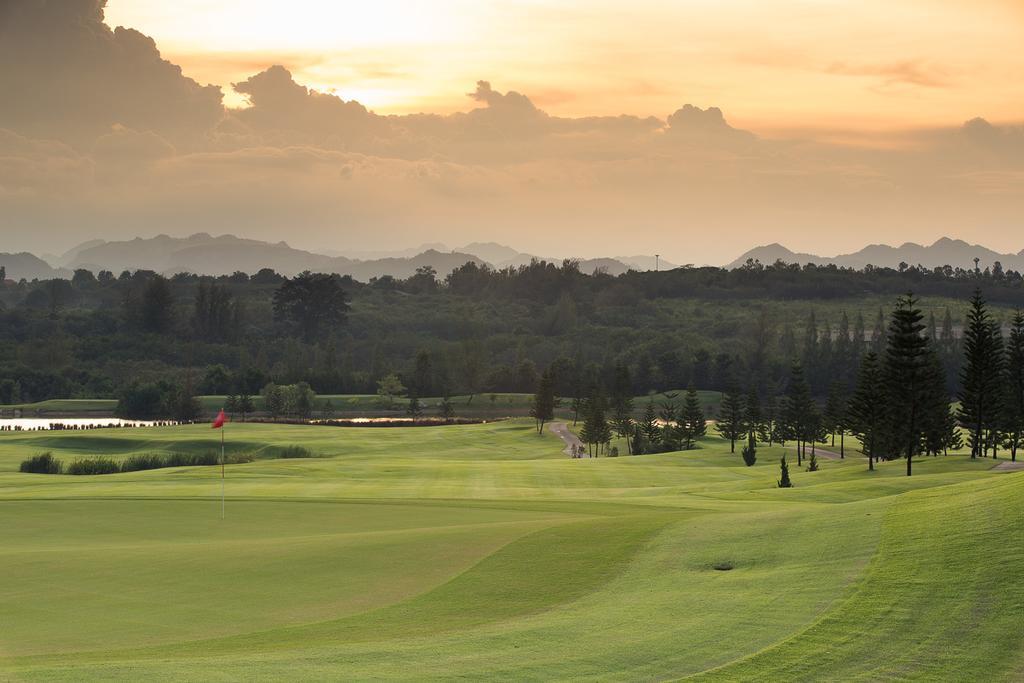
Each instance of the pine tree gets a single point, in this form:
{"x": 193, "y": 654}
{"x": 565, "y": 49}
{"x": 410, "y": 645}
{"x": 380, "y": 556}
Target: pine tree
{"x": 784, "y": 481}
{"x": 810, "y": 350}
{"x": 857, "y": 343}
{"x": 867, "y": 407}
{"x": 841, "y": 350}
{"x": 980, "y": 377}
{"x": 798, "y": 411}
{"x": 936, "y": 406}
{"x": 730, "y": 422}
{"x": 649, "y": 425}
{"x": 638, "y": 440}
{"x": 596, "y": 432}
{"x": 878, "y": 333}
{"x": 668, "y": 413}
{"x": 622, "y": 404}
{"x": 750, "y": 450}
{"x": 542, "y": 407}
{"x": 812, "y": 464}
{"x": 906, "y": 373}
{"x": 692, "y": 423}
{"x": 952, "y": 439}
{"x": 753, "y": 420}
{"x": 1013, "y": 386}
{"x": 767, "y": 431}
{"x": 835, "y": 408}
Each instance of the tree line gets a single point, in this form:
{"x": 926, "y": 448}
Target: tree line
{"x": 475, "y": 330}
{"x": 898, "y": 405}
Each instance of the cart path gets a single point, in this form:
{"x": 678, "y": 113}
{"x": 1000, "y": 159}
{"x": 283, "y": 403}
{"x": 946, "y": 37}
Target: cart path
{"x": 563, "y": 432}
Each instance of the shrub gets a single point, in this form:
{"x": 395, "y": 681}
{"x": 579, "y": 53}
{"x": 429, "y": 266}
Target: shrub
{"x": 148, "y": 461}
{"x": 295, "y": 452}
{"x": 812, "y": 465}
{"x": 750, "y": 452}
{"x": 44, "y": 463}
{"x": 94, "y": 466}
{"x": 784, "y": 480}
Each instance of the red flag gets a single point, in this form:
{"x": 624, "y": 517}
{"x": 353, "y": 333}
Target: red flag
{"x": 221, "y": 419}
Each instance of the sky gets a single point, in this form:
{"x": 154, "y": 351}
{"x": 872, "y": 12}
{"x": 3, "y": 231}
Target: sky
{"x": 695, "y": 129}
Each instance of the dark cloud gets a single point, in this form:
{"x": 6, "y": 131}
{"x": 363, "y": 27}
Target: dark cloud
{"x": 278, "y": 103}
{"x": 65, "y": 74}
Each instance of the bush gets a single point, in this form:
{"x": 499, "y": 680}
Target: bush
{"x": 784, "y": 481}
{"x": 47, "y": 464}
{"x": 44, "y": 463}
{"x": 295, "y": 452}
{"x": 750, "y": 452}
{"x": 148, "y": 461}
{"x": 156, "y": 461}
{"x": 94, "y": 466}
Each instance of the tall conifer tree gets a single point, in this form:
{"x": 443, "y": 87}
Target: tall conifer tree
{"x": 1013, "y": 386}
{"x": 906, "y": 372}
{"x": 731, "y": 423}
{"x": 867, "y": 407}
{"x": 979, "y": 376}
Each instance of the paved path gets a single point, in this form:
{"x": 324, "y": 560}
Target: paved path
{"x": 1009, "y": 466}
{"x": 562, "y": 431}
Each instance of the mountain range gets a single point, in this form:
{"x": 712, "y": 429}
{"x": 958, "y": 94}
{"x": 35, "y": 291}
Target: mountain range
{"x": 944, "y": 252}
{"x": 222, "y": 255}
{"x": 225, "y": 254}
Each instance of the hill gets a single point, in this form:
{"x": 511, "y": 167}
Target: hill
{"x": 222, "y": 255}
{"x": 29, "y": 267}
{"x": 225, "y": 254}
{"x": 943, "y": 252}
{"x": 482, "y": 552}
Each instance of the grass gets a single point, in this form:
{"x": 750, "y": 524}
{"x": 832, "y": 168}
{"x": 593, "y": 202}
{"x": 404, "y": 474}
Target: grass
{"x": 480, "y": 551}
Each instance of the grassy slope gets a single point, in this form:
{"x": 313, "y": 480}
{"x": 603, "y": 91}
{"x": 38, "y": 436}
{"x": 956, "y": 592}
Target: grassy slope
{"x": 479, "y": 551}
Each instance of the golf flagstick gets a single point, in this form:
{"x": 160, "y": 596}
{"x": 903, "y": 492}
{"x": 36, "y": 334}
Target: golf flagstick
{"x": 222, "y": 473}
{"x": 219, "y": 424}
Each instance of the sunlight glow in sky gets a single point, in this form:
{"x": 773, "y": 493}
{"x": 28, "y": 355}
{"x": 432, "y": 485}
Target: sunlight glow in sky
{"x": 791, "y": 64}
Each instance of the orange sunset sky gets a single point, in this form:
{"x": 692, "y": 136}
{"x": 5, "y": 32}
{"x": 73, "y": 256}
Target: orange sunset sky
{"x": 821, "y": 124}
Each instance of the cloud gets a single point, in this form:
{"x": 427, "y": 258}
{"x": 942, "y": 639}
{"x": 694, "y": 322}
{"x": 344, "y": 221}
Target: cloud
{"x": 281, "y": 104}
{"x": 65, "y": 74}
{"x": 101, "y": 137}
{"x": 902, "y": 73}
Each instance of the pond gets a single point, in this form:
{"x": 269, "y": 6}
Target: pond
{"x": 35, "y": 424}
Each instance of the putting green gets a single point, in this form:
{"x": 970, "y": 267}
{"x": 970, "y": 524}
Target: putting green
{"x": 480, "y": 551}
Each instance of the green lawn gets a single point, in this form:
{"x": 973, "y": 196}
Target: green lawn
{"x": 482, "y": 552}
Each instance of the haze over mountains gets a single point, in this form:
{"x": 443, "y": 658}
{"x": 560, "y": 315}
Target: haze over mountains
{"x": 225, "y": 254}
{"x": 944, "y": 252}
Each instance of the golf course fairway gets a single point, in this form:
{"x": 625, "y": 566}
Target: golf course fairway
{"x": 483, "y": 552}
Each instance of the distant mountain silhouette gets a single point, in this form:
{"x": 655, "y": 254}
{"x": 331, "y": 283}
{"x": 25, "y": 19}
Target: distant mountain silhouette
{"x": 225, "y": 254}
{"x": 944, "y": 252}
{"x": 29, "y": 267}
{"x": 207, "y": 255}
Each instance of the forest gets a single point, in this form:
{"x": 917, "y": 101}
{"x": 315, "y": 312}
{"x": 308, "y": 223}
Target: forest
{"x": 474, "y": 330}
